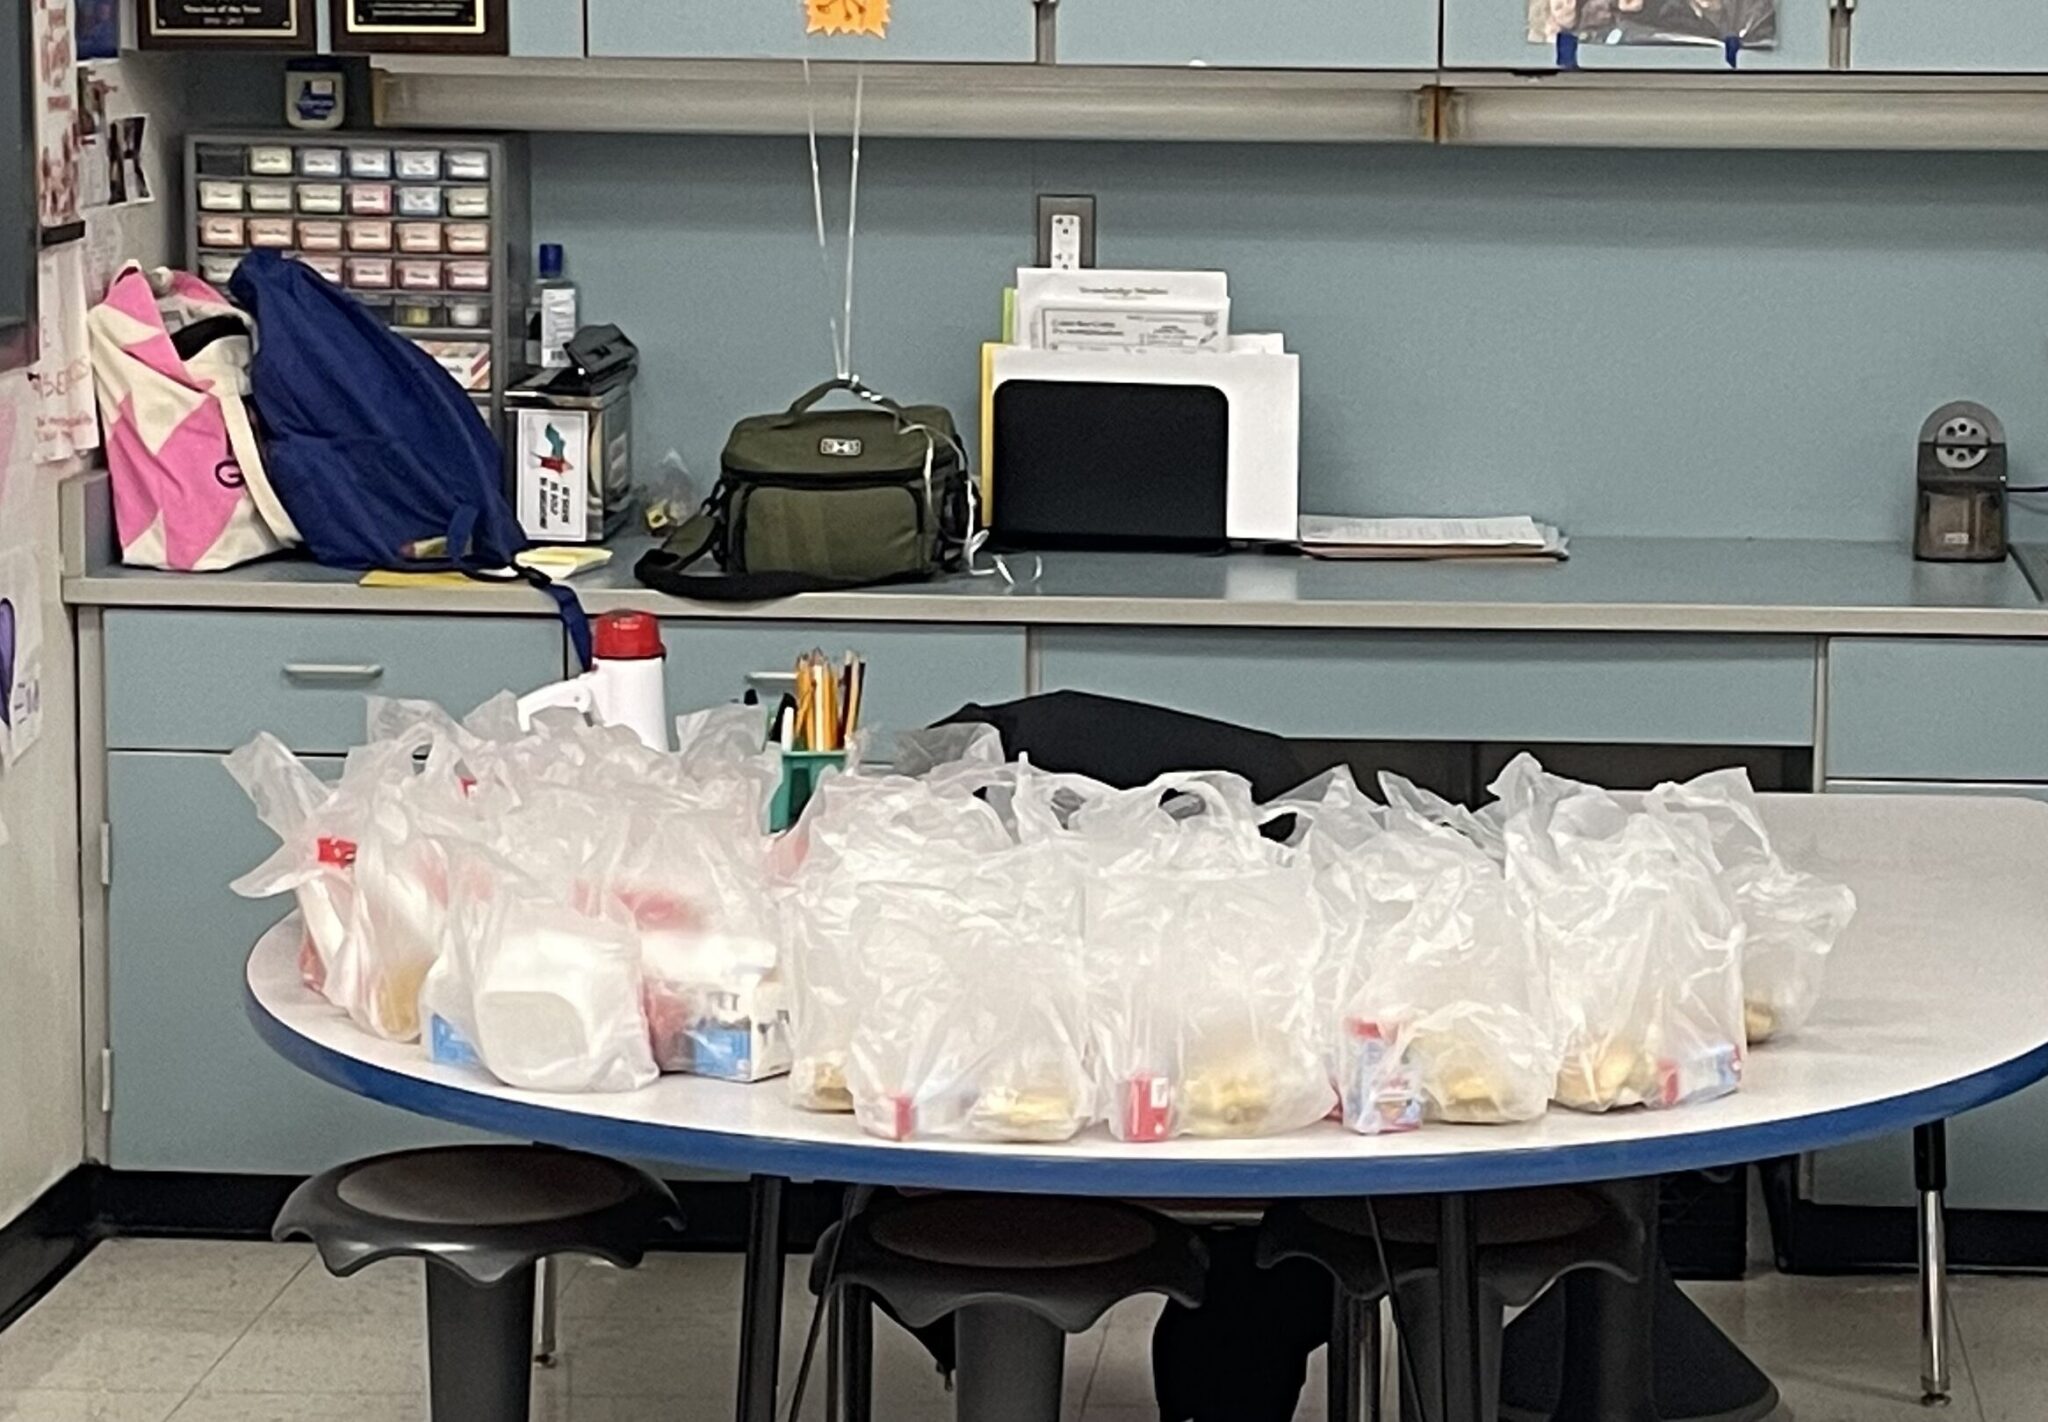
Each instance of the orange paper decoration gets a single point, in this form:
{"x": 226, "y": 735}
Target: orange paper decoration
{"x": 847, "y": 17}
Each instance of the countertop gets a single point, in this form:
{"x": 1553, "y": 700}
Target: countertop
{"x": 1702, "y": 585}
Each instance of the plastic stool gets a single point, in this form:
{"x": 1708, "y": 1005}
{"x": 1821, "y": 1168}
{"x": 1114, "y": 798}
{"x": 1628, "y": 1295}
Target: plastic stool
{"x": 1017, "y": 1273}
{"x": 481, "y": 1217}
{"x": 1528, "y": 1239}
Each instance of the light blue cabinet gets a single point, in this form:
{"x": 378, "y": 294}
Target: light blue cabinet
{"x": 194, "y": 1087}
{"x": 1479, "y": 686}
{"x": 1937, "y": 708}
{"x": 1997, "y": 1154}
{"x": 1945, "y": 37}
{"x": 544, "y": 29}
{"x": 1494, "y": 34}
{"x": 994, "y": 31}
{"x": 917, "y": 674}
{"x": 1306, "y": 34}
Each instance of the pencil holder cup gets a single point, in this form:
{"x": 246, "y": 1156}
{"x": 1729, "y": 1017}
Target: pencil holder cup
{"x": 801, "y": 771}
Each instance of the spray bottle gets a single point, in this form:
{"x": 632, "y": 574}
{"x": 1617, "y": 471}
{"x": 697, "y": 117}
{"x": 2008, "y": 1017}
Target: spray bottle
{"x": 624, "y": 686}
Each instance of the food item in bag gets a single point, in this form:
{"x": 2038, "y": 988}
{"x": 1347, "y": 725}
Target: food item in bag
{"x": 1643, "y": 942}
{"x": 1791, "y": 918}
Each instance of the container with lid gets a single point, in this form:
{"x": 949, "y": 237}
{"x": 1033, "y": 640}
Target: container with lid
{"x": 320, "y": 162}
{"x": 319, "y": 197}
{"x": 217, "y": 267}
{"x": 270, "y": 232}
{"x": 370, "y": 234}
{"x": 369, "y": 271}
{"x": 419, "y": 276}
{"x": 217, "y": 196}
{"x": 417, "y": 165}
{"x": 469, "y": 165}
{"x": 369, "y": 162}
{"x": 319, "y": 235}
{"x": 468, "y": 311}
{"x": 271, "y": 160}
{"x": 469, "y": 202}
{"x": 219, "y": 231}
{"x": 420, "y": 201}
{"x": 415, "y": 311}
{"x": 220, "y": 160}
{"x": 270, "y": 197}
{"x": 329, "y": 267}
{"x": 468, "y": 239}
{"x": 370, "y": 198}
{"x": 468, "y": 276}
{"x": 419, "y": 236}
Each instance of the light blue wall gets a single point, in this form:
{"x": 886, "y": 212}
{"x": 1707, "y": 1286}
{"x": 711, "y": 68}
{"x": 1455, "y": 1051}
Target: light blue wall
{"x": 1649, "y": 343}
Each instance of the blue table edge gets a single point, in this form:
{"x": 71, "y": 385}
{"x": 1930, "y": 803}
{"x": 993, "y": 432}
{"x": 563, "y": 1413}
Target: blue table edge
{"x": 1030, "y": 1170}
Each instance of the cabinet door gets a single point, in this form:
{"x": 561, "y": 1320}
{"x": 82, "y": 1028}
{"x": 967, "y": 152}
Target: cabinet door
{"x": 1997, "y": 1154}
{"x": 194, "y": 1087}
{"x": 544, "y": 29}
{"x": 996, "y": 31}
{"x": 1942, "y": 37}
{"x": 1310, "y": 34}
{"x": 1494, "y": 34}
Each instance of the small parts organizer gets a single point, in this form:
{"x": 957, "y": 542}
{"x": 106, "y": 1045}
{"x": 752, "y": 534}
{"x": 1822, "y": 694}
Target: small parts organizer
{"x": 430, "y": 230}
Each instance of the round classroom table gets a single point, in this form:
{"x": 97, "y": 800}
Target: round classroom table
{"x": 1932, "y": 1006}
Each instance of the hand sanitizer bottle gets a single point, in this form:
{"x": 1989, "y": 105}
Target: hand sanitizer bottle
{"x": 551, "y": 319}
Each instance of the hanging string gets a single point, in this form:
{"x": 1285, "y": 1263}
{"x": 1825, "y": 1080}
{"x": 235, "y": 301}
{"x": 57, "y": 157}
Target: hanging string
{"x": 860, "y": 84}
{"x": 840, "y": 326}
{"x": 840, "y": 363}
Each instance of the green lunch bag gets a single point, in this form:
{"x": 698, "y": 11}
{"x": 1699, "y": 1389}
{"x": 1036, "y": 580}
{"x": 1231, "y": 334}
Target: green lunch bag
{"x": 817, "y": 500}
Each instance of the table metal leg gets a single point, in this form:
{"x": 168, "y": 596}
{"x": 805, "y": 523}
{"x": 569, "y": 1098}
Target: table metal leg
{"x": 1457, "y": 1265}
{"x": 1930, "y": 1178}
{"x": 1354, "y": 1358}
{"x": 548, "y": 1307}
{"x": 761, "y": 1301}
{"x": 850, "y": 1354}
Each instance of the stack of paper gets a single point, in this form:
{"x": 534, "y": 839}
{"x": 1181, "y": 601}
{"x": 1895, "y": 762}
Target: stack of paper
{"x": 1091, "y": 309}
{"x": 1329, "y": 536}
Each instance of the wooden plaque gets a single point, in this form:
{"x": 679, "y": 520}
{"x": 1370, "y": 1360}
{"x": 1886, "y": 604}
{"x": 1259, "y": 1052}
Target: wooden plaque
{"x": 433, "y": 26}
{"x": 227, "y": 24}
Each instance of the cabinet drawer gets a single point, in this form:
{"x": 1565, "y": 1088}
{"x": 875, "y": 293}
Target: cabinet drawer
{"x": 208, "y": 681}
{"x": 1937, "y": 709}
{"x": 1427, "y": 686}
{"x": 1311, "y": 34}
{"x": 1984, "y": 36}
{"x": 917, "y": 673}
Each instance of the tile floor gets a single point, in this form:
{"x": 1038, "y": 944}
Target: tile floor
{"x": 149, "y": 1330}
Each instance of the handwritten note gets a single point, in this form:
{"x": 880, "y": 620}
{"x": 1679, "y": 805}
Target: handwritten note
{"x": 66, "y": 421}
{"x": 847, "y": 17}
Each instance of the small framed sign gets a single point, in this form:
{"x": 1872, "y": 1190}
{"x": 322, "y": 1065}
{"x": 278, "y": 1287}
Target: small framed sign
{"x": 435, "y": 26}
{"x": 228, "y": 24}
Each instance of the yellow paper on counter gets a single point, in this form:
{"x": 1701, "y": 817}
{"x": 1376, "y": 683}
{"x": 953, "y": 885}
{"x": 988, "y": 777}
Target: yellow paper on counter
{"x": 556, "y": 562}
{"x": 847, "y": 17}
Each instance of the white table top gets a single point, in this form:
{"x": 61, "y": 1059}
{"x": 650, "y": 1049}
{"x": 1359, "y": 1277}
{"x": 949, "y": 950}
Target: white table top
{"x": 1936, "y": 1001}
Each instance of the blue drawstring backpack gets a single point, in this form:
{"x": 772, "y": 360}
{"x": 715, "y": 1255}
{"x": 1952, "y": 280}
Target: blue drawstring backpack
{"x": 370, "y": 445}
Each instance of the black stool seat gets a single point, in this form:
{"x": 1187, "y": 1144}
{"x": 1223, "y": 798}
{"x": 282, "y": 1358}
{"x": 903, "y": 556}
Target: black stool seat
{"x": 1016, "y": 1273}
{"x": 482, "y": 1217}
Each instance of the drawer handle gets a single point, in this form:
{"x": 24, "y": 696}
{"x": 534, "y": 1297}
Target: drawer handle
{"x": 331, "y": 673}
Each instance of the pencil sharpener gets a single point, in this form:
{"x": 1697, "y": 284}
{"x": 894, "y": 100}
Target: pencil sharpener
{"x": 1961, "y": 472}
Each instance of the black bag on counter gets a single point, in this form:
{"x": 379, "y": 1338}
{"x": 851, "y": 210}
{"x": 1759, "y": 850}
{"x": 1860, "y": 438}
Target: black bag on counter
{"x": 819, "y": 500}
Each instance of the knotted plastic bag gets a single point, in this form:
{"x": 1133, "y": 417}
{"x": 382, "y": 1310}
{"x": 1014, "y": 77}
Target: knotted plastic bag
{"x": 1791, "y": 918}
{"x": 1642, "y": 941}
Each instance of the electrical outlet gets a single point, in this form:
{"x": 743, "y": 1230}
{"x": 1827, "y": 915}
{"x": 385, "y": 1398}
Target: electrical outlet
{"x": 1066, "y": 231}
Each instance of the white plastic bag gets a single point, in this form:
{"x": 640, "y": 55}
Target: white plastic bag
{"x": 1450, "y": 1019}
{"x": 1202, "y": 941}
{"x": 316, "y": 855}
{"x": 1791, "y": 918}
{"x": 1643, "y": 943}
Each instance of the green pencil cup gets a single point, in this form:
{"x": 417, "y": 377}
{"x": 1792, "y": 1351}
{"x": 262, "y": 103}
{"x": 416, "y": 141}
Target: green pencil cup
{"x": 801, "y": 771}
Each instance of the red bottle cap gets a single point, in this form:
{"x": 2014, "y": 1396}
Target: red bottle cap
{"x": 625, "y": 637}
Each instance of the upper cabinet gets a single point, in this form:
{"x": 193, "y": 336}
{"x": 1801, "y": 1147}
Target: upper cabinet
{"x": 544, "y": 29}
{"x": 1495, "y": 34}
{"x": 988, "y": 31}
{"x": 1294, "y": 34}
{"x": 1944, "y": 37}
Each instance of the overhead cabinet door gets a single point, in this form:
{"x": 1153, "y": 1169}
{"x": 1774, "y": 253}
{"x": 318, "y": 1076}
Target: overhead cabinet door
{"x": 995, "y": 31}
{"x": 1660, "y": 34}
{"x": 1947, "y": 37}
{"x": 1305, "y": 34}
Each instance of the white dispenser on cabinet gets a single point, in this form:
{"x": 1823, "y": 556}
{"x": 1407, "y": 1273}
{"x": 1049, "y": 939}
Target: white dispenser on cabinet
{"x": 624, "y": 686}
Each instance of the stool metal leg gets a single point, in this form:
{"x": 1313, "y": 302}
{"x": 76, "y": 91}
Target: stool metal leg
{"x": 1390, "y": 1361}
{"x": 1012, "y": 1364}
{"x": 1930, "y": 1177}
{"x": 1460, "y": 1374}
{"x": 549, "y": 1304}
{"x": 479, "y": 1347}
{"x": 1354, "y": 1359}
{"x": 850, "y": 1355}
{"x": 761, "y": 1302}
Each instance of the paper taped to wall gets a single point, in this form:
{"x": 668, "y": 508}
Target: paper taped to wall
{"x": 21, "y": 653}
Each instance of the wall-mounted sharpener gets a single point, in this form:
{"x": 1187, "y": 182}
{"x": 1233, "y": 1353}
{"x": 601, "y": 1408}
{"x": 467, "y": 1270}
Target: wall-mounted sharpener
{"x": 1962, "y": 477}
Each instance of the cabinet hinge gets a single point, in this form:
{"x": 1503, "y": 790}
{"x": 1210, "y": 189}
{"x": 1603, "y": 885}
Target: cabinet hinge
{"x": 1841, "y": 27}
{"x": 106, "y": 854}
{"x": 106, "y": 1081}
